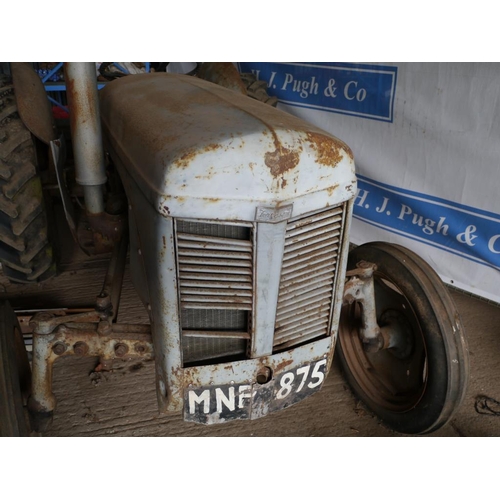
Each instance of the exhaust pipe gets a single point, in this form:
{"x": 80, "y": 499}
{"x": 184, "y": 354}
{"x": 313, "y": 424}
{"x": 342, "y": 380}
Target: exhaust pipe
{"x": 85, "y": 122}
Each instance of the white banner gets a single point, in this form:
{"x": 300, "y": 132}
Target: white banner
{"x": 426, "y": 141}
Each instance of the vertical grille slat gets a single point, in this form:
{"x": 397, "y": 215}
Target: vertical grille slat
{"x": 307, "y": 278}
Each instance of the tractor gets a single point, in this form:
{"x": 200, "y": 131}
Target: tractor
{"x": 235, "y": 218}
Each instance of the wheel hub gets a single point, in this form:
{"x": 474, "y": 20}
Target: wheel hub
{"x": 397, "y": 333}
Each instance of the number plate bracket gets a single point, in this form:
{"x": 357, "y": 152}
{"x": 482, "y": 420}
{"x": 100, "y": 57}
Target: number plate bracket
{"x": 221, "y": 403}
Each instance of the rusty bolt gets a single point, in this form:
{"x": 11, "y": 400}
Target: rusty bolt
{"x": 104, "y": 328}
{"x": 364, "y": 265}
{"x": 39, "y": 317}
{"x": 140, "y": 348}
{"x": 59, "y": 348}
{"x": 121, "y": 350}
{"x": 80, "y": 348}
{"x": 103, "y": 301}
{"x": 264, "y": 375}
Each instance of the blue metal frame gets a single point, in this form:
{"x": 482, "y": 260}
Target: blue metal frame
{"x": 58, "y": 88}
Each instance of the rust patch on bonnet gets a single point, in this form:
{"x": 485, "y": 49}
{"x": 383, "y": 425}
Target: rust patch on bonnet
{"x": 184, "y": 160}
{"x": 328, "y": 149}
{"x": 282, "y": 159}
{"x": 331, "y": 189}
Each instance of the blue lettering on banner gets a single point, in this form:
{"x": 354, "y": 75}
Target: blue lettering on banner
{"x": 362, "y": 90}
{"x": 461, "y": 230}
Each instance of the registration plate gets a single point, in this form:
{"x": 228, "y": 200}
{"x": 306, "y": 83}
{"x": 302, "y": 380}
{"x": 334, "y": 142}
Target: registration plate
{"x": 217, "y": 404}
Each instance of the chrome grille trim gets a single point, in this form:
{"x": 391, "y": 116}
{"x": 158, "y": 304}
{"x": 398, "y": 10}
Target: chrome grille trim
{"x": 312, "y": 247}
{"x": 269, "y": 259}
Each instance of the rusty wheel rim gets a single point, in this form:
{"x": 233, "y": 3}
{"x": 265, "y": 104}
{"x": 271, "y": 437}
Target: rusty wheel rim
{"x": 390, "y": 379}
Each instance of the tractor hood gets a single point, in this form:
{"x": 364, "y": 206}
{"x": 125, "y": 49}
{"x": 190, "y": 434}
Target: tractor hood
{"x": 197, "y": 149}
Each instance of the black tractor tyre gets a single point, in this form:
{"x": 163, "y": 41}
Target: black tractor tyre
{"x": 15, "y": 376}
{"x": 418, "y": 385}
{"x": 257, "y": 89}
{"x": 25, "y": 252}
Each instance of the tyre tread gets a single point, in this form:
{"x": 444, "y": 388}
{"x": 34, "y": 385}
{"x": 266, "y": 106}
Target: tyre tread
{"x": 25, "y": 252}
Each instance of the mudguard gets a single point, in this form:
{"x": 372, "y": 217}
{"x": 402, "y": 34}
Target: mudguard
{"x": 32, "y": 103}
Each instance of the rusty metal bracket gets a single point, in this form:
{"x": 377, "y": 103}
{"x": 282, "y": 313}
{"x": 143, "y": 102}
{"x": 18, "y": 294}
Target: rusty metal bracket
{"x": 108, "y": 300}
{"x": 395, "y": 332}
{"x": 90, "y": 333}
{"x": 107, "y": 230}
{"x": 360, "y": 288}
{"x": 44, "y": 323}
{"x": 79, "y": 339}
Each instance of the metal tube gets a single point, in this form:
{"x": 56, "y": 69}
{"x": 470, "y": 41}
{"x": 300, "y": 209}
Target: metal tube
{"x": 83, "y": 103}
{"x": 94, "y": 203}
{"x": 360, "y": 288}
{"x": 109, "y": 299}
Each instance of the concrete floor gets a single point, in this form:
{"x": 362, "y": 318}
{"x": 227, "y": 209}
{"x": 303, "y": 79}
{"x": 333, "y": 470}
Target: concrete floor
{"x": 123, "y": 402}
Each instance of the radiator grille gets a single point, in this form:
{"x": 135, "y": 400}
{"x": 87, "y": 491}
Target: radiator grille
{"x": 215, "y": 268}
{"x": 307, "y": 278}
